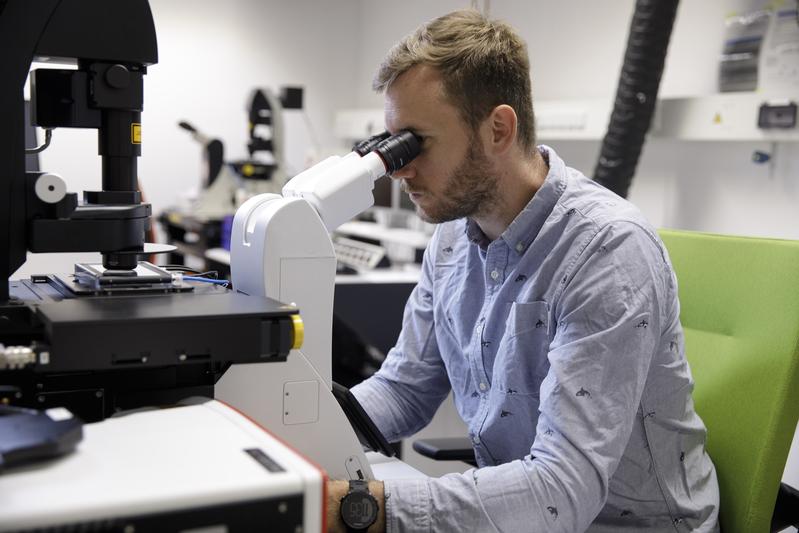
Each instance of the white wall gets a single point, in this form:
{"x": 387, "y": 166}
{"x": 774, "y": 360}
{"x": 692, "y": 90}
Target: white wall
{"x": 575, "y": 46}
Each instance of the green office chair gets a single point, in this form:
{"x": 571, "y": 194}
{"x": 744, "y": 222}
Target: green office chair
{"x": 739, "y": 301}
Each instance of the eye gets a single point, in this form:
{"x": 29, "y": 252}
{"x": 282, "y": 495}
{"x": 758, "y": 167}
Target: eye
{"x": 418, "y": 135}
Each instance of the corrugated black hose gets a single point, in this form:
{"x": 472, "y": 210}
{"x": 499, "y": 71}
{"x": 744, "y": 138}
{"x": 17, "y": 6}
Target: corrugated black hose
{"x": 636, "y": 94}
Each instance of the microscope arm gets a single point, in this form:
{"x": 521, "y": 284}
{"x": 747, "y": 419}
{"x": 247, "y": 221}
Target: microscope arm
{"x": 340, "y": 188}
{"x": 281, "y": 248}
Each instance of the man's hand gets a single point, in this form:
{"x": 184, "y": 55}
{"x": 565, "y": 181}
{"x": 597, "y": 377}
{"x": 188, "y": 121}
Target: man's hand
{"x": 337, "y": 489}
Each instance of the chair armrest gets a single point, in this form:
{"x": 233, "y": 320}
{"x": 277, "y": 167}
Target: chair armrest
{"x": 447, "y": 449}
{"x": 786, "y": 510}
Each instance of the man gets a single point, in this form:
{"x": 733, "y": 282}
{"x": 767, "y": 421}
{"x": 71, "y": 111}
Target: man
{"x": 547, "y": 304}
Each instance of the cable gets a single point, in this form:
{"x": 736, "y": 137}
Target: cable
{"x": 16, "y": 356}
{"x": 48, "y": 134}
{"x": 182, "y": 268}
{"x": 222, "y": 282}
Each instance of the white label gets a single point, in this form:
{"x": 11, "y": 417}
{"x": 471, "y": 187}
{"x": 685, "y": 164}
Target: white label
{"x": 57, "y": 414}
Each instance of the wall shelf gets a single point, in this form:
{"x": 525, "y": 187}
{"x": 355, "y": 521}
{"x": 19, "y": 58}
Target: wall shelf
{"x": 717, "y": 117}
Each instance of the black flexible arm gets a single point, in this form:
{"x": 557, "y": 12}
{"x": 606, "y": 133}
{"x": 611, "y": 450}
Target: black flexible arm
{"x": 636, "y": 95}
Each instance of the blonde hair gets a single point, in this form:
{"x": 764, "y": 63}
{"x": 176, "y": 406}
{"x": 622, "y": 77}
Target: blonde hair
{"x": 483, "y": 64}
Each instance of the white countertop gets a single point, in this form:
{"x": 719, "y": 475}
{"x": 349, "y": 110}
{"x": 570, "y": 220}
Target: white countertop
{"x": 407, "y": 274}
{"x": 371, "y": 230}
{"x": 390, "y": 467}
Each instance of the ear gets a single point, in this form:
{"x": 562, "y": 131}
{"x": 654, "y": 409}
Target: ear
{"x": 501, "y": 129}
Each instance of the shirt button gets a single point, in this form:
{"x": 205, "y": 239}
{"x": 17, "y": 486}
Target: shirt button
{"x": 520, "y": 247}
{"x": 494, "y": 275}
{"x": 476, "y": 439}
{"x": 483, "y": 386}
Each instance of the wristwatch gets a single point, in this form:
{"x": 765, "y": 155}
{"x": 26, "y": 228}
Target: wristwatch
{"x": 358, "y": 507}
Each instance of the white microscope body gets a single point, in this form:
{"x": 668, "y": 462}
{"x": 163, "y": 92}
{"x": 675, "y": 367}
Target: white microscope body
{"x": 281, "y": 248}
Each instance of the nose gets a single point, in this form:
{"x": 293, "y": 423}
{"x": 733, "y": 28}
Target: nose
{"x": 404, "y": 173}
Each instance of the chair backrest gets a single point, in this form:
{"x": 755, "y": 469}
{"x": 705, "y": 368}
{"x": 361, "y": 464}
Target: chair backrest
{"x": 739, "y": 301}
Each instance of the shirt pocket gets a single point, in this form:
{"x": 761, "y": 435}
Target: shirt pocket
{"x": 528, "y": 317}
{"x": 522, "y": 362}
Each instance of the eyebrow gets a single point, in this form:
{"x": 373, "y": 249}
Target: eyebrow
{"x": 412, "y": 126}
{"x": 416, "y": 130}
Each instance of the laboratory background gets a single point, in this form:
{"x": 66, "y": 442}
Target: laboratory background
{"x": 721, "y": 155}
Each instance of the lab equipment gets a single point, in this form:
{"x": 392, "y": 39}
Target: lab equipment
{"x": 31, "y": 435}
{"x": 761, "y": 49}
{"x": 281, "y": 248}
{"x": 113, "y": 337}
{"x": 357, "y": 255}
{"x": 209, "y": 469}
{"x": 202, "y": 221}
{"x": 365, "y": 428}
{"x": 121, "y": 334}
{"x": 226, "y": 184}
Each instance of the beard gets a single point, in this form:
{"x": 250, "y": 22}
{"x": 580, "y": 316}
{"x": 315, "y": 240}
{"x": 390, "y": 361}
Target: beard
{"x": 470, "y": 189}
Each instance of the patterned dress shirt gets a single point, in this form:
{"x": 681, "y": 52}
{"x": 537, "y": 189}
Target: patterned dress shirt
{"x": 562, "y": 345}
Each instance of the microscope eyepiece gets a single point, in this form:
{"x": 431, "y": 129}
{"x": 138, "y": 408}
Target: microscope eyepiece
{"x": 367, "y": 145}
{"x": 398, "y": 150}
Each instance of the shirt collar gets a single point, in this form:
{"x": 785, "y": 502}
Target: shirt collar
{"x": 525, "y": 227}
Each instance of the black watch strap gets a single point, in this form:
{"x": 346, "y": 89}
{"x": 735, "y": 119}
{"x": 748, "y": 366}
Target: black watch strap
{"x": 359, "y": 485}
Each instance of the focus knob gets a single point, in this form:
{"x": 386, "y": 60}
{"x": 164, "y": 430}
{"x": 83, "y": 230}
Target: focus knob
{"x": 50, "y": 188}
{"x": 118, "y": 76}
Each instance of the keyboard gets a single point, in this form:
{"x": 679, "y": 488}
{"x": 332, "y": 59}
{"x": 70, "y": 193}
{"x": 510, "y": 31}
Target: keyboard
{"x": 357, "y": 255}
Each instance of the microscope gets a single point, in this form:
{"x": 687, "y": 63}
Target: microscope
{"x": 122, "y": 333}
{"x": 280, "y": 248}
{"x": 106, "y": 343}
{"x": 86, "y": 355}
{"x": 200, "y": 223}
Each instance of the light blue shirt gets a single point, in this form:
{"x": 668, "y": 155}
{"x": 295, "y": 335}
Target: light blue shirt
{"x": 562, "y": 344}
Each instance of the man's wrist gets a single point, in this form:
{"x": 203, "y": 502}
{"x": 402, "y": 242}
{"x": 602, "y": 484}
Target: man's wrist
{"x": 337, "y": 489}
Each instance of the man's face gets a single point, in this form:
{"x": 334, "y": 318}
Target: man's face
{"x": 451, "y": 178}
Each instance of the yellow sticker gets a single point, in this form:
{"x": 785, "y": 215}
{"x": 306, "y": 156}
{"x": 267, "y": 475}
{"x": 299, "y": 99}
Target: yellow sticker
{"x": 135, "y": 133}
{"x": 247, "y": 169}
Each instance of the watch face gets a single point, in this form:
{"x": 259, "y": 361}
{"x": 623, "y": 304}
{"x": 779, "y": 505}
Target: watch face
{"x": 359, "y": 510}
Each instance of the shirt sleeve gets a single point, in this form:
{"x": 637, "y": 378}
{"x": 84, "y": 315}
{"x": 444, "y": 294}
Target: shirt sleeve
{"x": 607, "y": 329}
{"x": 402, "y": 397}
